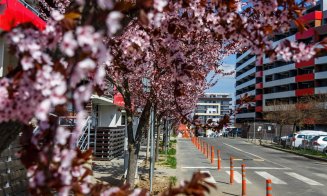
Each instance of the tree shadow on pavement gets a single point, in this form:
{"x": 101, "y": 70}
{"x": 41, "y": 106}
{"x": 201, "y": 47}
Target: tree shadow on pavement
{"x": 108, "y": 173}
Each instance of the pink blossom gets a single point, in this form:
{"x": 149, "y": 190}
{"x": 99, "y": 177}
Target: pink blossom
{"x": 56, "y": 15}
{"x": 42, "y": 111}
{"x": 62, "y": 135}
{"x": 27, "y": 63}
{"x": 113, "y": 22}
{"x": 160, "y": 4}
{"x": 106, "y": 4}
{"x": 69, "y": 44}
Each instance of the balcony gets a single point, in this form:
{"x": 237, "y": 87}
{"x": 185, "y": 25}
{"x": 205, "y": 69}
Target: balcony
{"x": 246, "y": 63}
{"x": 305, "y": 77}
{"x": 246, "y": 84}
{"x": 303, "y": 92}
{"x": 320, "y": 75}
{"x": 279, "y": 82}
{"x": 246, "y": 115}
{"x": 321, "y": 60}
{"x": 245, "y": 74}
{"x": 321, "y": 90}
{"x": 279, "y": 95}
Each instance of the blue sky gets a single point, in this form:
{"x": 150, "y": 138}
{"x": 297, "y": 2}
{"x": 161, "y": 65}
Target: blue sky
{"x": 226, "y": 84}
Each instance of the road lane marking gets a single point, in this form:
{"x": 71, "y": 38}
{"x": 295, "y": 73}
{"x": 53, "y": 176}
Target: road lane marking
{"x": 238, "y": 177}
{"x": 254, "y": 155}
{"x": 303, "y": 179}
{"x": 271, "y": 177}
{"x": 259, "y": 160}
{"x": 321, "y": 175}
{"x": 248, "y": 168}
{"x": 209, "y": 179}
{"x": 244, "y": 151}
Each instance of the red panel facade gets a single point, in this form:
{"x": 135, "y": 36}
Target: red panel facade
{"x": 316, "y": 15}
{"x": 306, "y": 34}
{"x": 258, "y": 109}
{"x": 259, "y": 74}
{"x": 259, "y": 85}
{"x": 303, "y": 92}
{"x": 305, "y": 77}
{"x": 258, "y": 97}
{"x": 308, "y": 63}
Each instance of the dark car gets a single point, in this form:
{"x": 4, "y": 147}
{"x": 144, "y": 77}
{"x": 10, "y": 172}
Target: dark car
{"x": 235, "y": 132}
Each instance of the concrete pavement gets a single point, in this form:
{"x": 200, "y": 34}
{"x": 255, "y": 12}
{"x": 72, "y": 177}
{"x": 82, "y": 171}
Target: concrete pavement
{"x": 291, "y": 174}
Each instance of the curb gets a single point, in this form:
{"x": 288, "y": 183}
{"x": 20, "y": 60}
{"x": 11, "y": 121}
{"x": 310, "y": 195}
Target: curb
{"x": 290, "y": 151}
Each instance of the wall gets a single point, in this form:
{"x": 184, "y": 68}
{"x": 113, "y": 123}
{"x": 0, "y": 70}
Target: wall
{"x": 109, "y": 116}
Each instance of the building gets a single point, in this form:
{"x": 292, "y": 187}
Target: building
{"x": 267, "y": 82}
{"x": 213, "y": 106}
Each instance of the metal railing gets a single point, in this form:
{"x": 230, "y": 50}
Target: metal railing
{"x": 84, "y": 140}
{"x": 30, "y": 7}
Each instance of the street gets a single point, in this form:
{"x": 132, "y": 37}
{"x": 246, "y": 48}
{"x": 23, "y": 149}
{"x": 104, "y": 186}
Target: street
{"x": 290, "y": 174}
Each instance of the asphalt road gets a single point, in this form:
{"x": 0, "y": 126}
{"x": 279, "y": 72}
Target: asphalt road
{"x": 291, "y": 174}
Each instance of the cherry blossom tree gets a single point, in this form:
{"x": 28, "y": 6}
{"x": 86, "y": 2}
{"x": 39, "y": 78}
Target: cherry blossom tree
{"x": 172, "y": 45}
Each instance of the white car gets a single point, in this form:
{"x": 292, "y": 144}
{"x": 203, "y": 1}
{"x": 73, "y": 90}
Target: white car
{"x": 299, "y": 136}
{"x": 321, "y": 144}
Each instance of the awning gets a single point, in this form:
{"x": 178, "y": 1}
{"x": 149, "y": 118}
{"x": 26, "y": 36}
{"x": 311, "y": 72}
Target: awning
{"x": 13, "y": 13}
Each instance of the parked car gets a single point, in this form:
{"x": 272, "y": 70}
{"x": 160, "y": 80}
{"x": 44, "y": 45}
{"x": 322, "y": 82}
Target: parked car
{"x": 321, "y": 144}
{"x": 235, "y": 132}
{"x": 226, "y": 130}
{"x": 299, "y": 136}
{"x": 313, "y": 142}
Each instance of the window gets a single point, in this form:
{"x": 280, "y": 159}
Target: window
{"x": 325, "y": 139}
{"x": 300, "y": 136}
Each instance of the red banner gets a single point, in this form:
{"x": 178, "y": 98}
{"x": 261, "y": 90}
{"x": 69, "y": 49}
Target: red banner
{"x": 13, "y": 13}
{"x": 119, "y": 99}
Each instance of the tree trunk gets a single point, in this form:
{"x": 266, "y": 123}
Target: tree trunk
{"x": 132, "y": 163}
{"x": 280, "y": 134}
{"x": 158, "y": 140}
{"x": 135, "y": 142}
{"x": 9, "y": 132}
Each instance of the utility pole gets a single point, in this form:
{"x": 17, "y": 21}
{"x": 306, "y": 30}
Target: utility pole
{"x": 152, "y": 148}
{"x": 148, "y": 143}
{"x": 125, "y": 150}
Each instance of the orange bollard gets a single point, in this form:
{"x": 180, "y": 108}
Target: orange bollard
{"x": 212, "y": 154}
{"x": 268, "y": 188}
{"x": 198, "y": 143}
{"x": 219, "y": 161}
{"x": 243, "y": 180}
{"x": 207, "y": 151}
{"x": 231, "y": 180}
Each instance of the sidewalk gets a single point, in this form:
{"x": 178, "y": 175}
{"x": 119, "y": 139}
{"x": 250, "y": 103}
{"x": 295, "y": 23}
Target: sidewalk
{"x": 112, "y": 172}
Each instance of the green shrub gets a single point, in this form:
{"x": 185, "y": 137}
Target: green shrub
{"x": 171, "y": 151}
{"x": 171, "y": 161}
{"x": 172, "y": 180}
